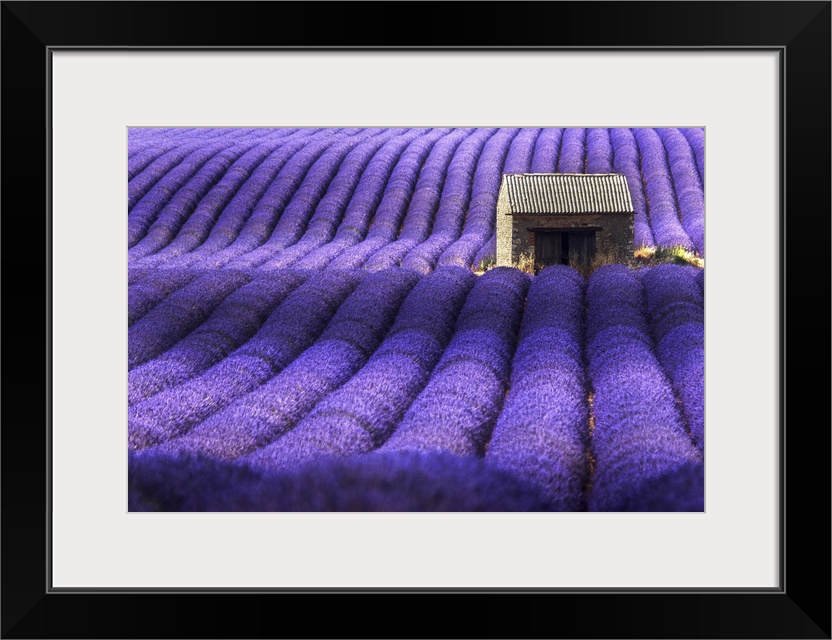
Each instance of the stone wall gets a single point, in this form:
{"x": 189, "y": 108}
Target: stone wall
{"x": 504, "y": 228}
{"x": 514, "y": 239}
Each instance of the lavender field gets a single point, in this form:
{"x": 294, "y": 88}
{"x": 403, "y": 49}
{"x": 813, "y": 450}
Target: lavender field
{"x": 311, "y": 327}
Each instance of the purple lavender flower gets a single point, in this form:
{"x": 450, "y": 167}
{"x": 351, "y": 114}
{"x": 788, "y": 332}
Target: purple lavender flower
{"x": 282, "y": 341}
{"x": 518, "y": 160}
{"x": 456, "y": 410}
{"x": 295, "y": 217}
{"x": 259, "y": 227}
{"x": 143, "y": 212}
{"x": 480, "y": 222}
{"x": 330, "y": 211}
{"x": 179, "y": 314}
{"x": 185, "y": 200}
{"x": 257, "y": 418}
{"x": 487, "y": 253}
{"x": 139, "y": 184}
{"x": 696, "y": 140}
{"x": 681, "y": 489}
{"x": 572, "y": 157}
{"x": 627, "y": 160}
{"x": 291, "y": 329}
{"x": 213, "y": 250}
{"x": 195, "y": 228}
{"x": 137, "y": 274}
{"x": 661, "y": 198}
{"x": 405, "y": 482}
{"x": 677, "y": 317}
{"x": 369, "y": 196}
{"x": 687, "y": 186}
{"x": 144, "y": 155}
{"x": 547, "y": 150}
{"x": 599, "y": 151}
{"x": 541, "y": 434}
{"x": 151, "y": 289}
{"x": 230, "y": 325}
{"x": 423, "y": 239}
{"x": 638, "y": 433}
{"x": 408, "y": 179}
{"x": 361, "y": 414}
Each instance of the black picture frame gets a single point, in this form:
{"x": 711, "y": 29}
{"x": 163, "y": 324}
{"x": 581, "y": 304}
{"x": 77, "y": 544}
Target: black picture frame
{"x": 798, "y": 608}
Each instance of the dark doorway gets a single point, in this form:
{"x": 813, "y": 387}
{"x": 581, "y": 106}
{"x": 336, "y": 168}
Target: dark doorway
{"x": 581, "y": 246}
{"x": 548, "y": 248}
{"x": 559, "y": 246}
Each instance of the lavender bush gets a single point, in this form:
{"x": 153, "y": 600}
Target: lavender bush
{"x": 159, "y": 481}
{"x": 330, "y": 210}
{"x": 196, "y": 228}
{"x": 572, "y": 158}
{"x": 479, "y": 223}
{"x": 145, "y": 205}
{"x": 151, "y": 289}
{"x": 295, "y": 217}
{"x": 369, "y": 196}
{"x": 179, "y": 314}
{"x": 599, "y": 151}
{"x": 257, "y": 418}
{"x": 260, "y": 225}
{"x": 360, "y": 416}
{"x": 677, "y": 318}
{"x": 293, "y": 327}
{"x": 457, "y": 409}
{"x": 687, "y": 186}
{"x": 415, "y": 249}
{"x": 273, "y": 198}
{"x": 518, "y": 160}
{"x": 233, "y": 322}
{"x": 627, "y": 160}
{"x": 547, "y": 151}
{"x": 216, "y": 235}
{"x": 638, "y": 433}
{"x": 541, "y": 434}
{"x": 696, "y": 140}
{"x": 661, "y": 197}
{"x": 409, "y": 178}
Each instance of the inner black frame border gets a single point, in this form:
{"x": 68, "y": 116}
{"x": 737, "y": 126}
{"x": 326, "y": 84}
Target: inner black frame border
{"x": 799, "y": 31}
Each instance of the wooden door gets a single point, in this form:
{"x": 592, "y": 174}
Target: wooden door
{"x": 582, "y": 246}
{"x": 547, "y": 248}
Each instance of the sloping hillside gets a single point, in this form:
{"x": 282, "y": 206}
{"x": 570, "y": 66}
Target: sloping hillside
{"x": 306, "y": 331}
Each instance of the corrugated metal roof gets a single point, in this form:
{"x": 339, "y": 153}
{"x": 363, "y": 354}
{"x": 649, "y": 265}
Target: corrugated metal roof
{"x": 568, "y": 193}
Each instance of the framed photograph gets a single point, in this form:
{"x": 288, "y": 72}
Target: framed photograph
{"x": 577, "y": 136}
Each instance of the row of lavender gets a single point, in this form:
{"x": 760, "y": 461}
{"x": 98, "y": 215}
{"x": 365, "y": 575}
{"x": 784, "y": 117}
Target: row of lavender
{"x": 588, "y": 391}
{"x": 377, "y": 198}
